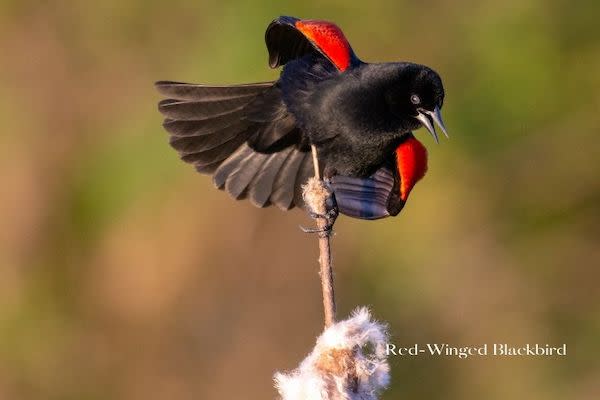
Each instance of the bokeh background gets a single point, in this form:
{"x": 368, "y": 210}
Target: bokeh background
{"x": 125, "y": 275}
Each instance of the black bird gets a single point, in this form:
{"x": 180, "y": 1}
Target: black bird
{"x": 255, "y": 139}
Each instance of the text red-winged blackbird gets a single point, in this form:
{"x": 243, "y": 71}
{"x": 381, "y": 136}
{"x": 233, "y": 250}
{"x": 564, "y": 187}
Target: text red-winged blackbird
{"x": 255, "y": 139}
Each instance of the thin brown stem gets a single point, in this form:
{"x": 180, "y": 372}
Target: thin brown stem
{"x": 313, "y": 149}
{"x": 326, "y": 267}
{"x": 326, "y": 273}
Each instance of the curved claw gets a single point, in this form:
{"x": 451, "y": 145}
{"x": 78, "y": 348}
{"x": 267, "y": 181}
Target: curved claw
{"x": 329, "y": 218}
{"x": 323, "y": 232}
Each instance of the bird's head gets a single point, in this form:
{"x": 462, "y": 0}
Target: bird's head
{"x": 416, "y": 96}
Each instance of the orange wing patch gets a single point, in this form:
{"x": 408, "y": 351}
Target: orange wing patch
{"x": 411, "y": 159}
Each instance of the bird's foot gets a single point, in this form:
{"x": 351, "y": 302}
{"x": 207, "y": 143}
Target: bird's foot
{"x": 321, "y": 205}
{"x": 327, "y": 227}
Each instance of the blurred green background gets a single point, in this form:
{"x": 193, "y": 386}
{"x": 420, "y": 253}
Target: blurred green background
{"x": 125, "y": 275}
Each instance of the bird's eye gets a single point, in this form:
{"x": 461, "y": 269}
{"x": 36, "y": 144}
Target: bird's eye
{"x": 415, "y": 99}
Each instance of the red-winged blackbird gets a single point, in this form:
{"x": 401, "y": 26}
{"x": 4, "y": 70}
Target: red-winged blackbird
{"x": 255, "y": 139}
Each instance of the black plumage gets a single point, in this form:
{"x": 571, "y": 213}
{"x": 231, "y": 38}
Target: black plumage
{"x": 255, "y": 138}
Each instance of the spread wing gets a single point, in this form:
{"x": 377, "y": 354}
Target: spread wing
{"x": 289, "y": 38}
{"x": 243, "y": 136}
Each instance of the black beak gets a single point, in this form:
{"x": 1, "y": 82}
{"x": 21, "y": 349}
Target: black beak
{"x": 428, "y": 118}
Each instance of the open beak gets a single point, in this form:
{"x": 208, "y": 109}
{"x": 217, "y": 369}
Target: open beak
{"x": 428, "y": 118}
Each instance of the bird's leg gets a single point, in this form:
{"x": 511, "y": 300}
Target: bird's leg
{"x": 321, "y": 205}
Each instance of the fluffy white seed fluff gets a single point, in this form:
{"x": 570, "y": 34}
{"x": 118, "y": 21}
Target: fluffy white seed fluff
{"x": 348, "y": 362}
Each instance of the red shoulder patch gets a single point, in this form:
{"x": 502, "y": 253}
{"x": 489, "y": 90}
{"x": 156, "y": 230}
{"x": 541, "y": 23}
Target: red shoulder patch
{"x": 329, "y": 39}
{"x": 411, "y": 160}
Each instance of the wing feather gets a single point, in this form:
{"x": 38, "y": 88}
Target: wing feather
{"x": 197, "y": 92}
{"x": 261, "y": 187}
{"x": 238, "y": 180}
{"x": 195, "y": 110}
{"x": 199, "y": 127}
{"x": 231, "y": 164}
{"x": 305, "y": 171}
{"x": 195, "y": 144}
{"x": 283, "y": 187}
{"x": 215, "y": 154}
{"x": 243, "y": 135}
